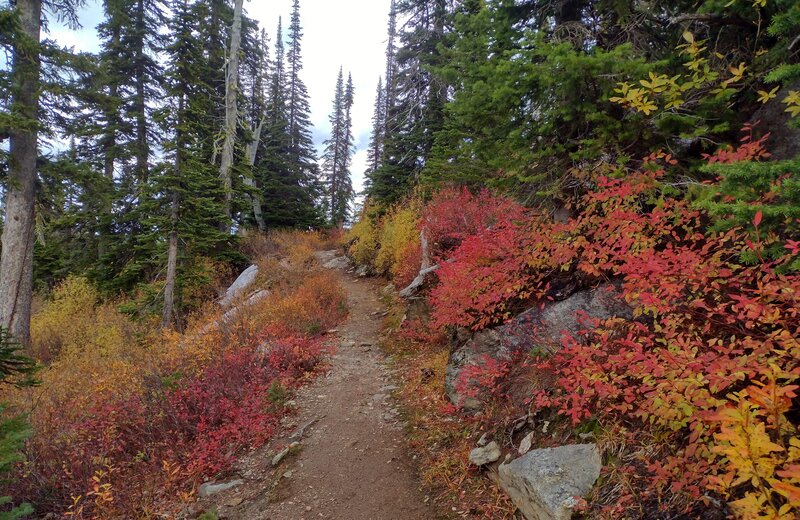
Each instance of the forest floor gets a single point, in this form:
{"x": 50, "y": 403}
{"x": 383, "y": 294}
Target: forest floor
{"x": 353, "y": 462}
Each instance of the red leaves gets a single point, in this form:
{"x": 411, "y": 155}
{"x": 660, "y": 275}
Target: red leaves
{"x": 707, "y": 325}
{"x": 455, "y": 214}
{"x": 750, "y": 149}
{"x": 757, "y": 219}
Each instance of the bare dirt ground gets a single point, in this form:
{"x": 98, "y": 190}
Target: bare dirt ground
{"x": 352, "y": 463}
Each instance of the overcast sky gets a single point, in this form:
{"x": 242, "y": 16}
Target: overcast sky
{"x": 350, "y": 33}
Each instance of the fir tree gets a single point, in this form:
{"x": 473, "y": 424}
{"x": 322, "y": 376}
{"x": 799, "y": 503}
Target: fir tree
{"x": 415, "y": 98}
{"x": 271, "y": 169}
{"x": 286, "y": 170}
{"x": 302, "y": 153}
{"x": 390, "y": 76}
{"x": 22, "y": 23}
{"x": 338, "y": 154}
{"x": 15, "y": 369}
{"x": 185, "y": 199}
{"x": 375, "y": 151}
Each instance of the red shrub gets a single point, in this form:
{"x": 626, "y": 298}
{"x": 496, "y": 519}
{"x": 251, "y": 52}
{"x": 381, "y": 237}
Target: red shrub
{"x": 710, "y": 335}
{"x": 456, "y": 213}
{"x": 224, "y": 410}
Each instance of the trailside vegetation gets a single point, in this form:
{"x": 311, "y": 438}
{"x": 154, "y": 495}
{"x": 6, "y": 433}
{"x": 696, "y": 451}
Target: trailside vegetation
{"x": 583, "y": 143}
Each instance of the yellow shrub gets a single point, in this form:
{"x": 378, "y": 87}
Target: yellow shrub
{"x": 363, "y": 240}
{"x": 299, "y": 246}
{"x": 74, "y": 321}
{"x": 399, "y": 233}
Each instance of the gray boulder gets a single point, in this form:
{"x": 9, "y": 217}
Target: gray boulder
{"x": 239, "y": 286}
{"x": 340, "y": 262}
{"x": 483, "y": 455}
{"x": 537, "y": 329}
{"x": 545, "y": 484}
{"x": 326, "y": 256}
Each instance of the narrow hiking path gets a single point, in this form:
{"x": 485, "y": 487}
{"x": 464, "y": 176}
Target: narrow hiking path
{"x": 352, "y": 463}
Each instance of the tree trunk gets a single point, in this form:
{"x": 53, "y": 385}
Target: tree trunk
{"x": 174, "y": 215}
{"x": 426, "y": 254}
{"x": 109, "y": 157}
{"x": 252, "y": 151}
{"x": 172, "y": 265}
{"x": 231, "y": 113}
{"x": 16, "y": 261}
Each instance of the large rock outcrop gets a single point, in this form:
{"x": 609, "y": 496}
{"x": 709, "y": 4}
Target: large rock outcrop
{"x": 535, "y": 329}
{"x": 546, "y": 484}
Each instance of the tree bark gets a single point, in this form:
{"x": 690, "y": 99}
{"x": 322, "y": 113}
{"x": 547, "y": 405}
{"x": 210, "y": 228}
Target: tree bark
{"x": 174, "y": 215}
{"x": 252, "y": 151}
{"x": 172, "y": 265}
{"x": 16, "y": 261}
{"x": 231, "y": 112}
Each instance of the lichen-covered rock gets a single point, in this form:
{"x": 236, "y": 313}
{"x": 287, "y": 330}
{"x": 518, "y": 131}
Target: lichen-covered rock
{"x": 544, "y": 483}
{"x": 535, "y": 329}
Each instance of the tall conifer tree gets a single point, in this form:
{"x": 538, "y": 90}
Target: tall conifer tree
{"x": 303, "y": 161}
{"x": 338, "y": 154}
{"x": 415, "y": 98}
{"x": 375, "y": 151}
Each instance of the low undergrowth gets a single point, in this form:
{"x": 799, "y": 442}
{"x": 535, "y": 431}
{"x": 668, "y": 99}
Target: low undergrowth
{"x": 694, "y": 401}
{"x": 128, "y": 419}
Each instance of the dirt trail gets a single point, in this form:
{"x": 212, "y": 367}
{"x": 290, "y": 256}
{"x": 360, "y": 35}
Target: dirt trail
{"x": 353, "y": 463}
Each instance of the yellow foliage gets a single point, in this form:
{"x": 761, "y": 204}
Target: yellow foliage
{"x": 73, "y": 321}
{"x": 761, "y": 449}
{"x": 400, "y": 230}
{"x": 363, "y": 240}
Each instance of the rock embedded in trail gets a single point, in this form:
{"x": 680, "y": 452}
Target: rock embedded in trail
{"x": 484, "y": 455}
{"x": 537, "y": 329}
{"x": 212, "y": 488}
{"x": 283, "y": 453}
{"x": 544, "y": 483}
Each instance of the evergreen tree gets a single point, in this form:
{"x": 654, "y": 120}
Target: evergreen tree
{"x": 375, "y": 151}
{"x": 415, "y": 97}
{"x": 18, "y": 370}
{"x": 116, "y": 124}
{"x": 303, "y": 163}
{"x": 390, "y": 97}
{"x": 271, "y": 169}
{"x": 286, "y": 170}
{"x": 19, "y": 123}
{"x": 185, "y": 202}
{"x": 338, "y": 154}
